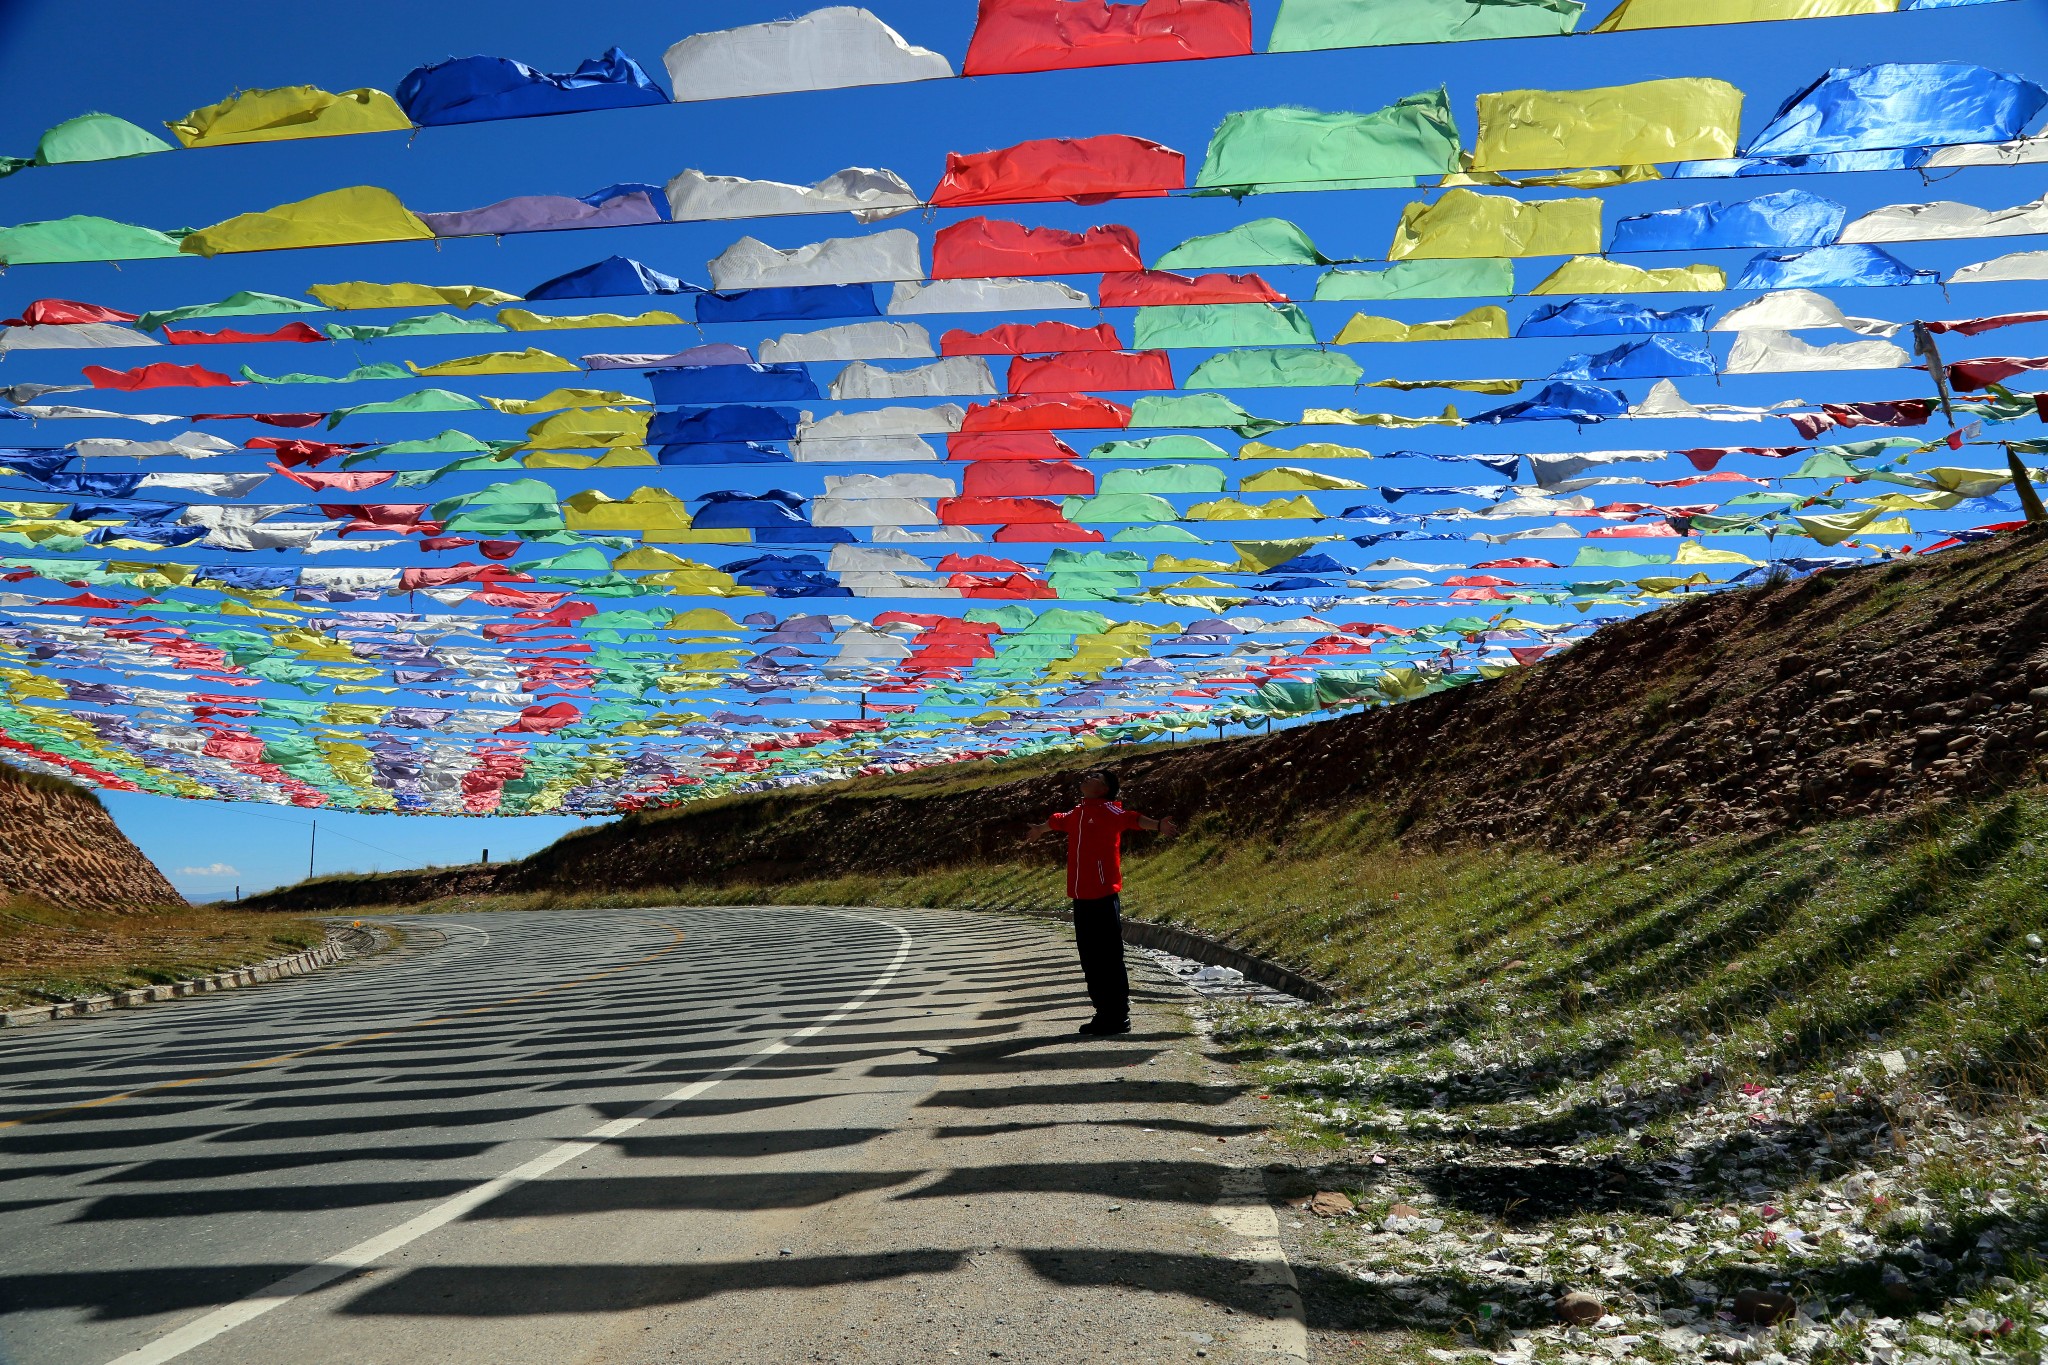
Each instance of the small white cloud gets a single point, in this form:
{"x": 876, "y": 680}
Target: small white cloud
{"x": 210, "y": 870}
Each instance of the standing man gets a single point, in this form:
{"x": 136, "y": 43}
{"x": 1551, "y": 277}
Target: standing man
{"x": 1094, "y": 831}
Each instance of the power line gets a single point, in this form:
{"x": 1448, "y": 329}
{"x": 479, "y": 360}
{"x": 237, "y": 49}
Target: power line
{"x": 335, "y": 833}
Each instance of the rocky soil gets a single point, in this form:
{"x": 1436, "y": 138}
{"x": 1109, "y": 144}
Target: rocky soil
{"x": 59, "y": 847}
{"x": 1857, "y": 1215}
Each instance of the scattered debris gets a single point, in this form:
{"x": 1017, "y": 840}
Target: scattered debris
{"x": 1765, "y": 1306}
{"x": 1580, "y": 1309}
{"x": 1223, "y": 983}
{"x": 1330, "y": 1204}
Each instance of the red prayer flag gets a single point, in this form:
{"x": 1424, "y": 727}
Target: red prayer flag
{"x": 344, "y": 481}
{"x": 988, "y": 247}
{"x": 1967, "y": 375}
{"x": 1086, "y": 170}
{"x": 159, "y": 377}
{"x": 1085, "y": 371}
{"x": 1023, "y": 478}
{"x": 1054, "y": 532}
{"x": 987, "y": 511}
{"x": 1037, "y": 412}
{"x": 63, "y": 312}
{"x": 1970, "y": 327}
{"x": 1031, "y": 338}
{"x": 543, "y": 720}
{"x": 1142, "y": 288}
{"x": 269, "y": 419}
{"x": 1052, "y": 35}
{"x": 296, "y": 451}
{"x": 1909, "y": 412}
{"x": 291, "y": 331}
{"x": 1008, "y": 445}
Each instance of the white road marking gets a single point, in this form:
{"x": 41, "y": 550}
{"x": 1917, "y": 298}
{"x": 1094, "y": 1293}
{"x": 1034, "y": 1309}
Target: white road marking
{"x": 471, "y": 928}
{"x": 1282, "y": 1332}
{"x": 202, "y": 1330}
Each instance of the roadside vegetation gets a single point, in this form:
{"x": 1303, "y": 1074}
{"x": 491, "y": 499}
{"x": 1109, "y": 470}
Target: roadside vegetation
{"x": 49, "y": 955}
{"x": 1806, "y": 1064}
{"x": 1697, "y": 971}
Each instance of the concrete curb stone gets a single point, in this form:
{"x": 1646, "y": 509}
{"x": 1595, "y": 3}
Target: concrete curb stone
{"x": 1186, "y": 943}
{"x": 272, "y": 969}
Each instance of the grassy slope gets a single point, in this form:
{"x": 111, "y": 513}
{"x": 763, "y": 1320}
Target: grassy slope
{"x": 49, "y": 955}
{"x": 1791, "y": 947}
{"x": 1804, "y": 1057}
{"x": 1866, "y": 692}
{"x": 1666, "y": 1062}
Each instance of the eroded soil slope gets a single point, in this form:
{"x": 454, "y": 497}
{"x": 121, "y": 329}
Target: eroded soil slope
{"x": 59, "y": 847}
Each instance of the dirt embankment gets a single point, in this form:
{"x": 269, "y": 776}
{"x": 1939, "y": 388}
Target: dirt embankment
{"x": 1852, "y": 692}
{"x": 59, "y": 847}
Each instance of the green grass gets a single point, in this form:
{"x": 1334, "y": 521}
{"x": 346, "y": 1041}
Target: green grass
{"x": 43, "y": 782}
{"x": 1793, "y": 952}
{"x": 49, "y": 955}
{"x": 1634, "y": 1074}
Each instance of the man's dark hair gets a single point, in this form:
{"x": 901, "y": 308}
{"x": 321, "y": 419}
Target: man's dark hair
{"x": 1109, "y": 779}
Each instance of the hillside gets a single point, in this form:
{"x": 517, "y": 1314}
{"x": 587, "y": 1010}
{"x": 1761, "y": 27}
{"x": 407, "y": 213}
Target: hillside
{"x": 1697, "y": 971}
{"x": 62, "y": 849}
{"x": 1859, "y": 692}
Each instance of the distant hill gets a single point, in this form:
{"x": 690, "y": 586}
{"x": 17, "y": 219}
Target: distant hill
{"x": 1853, "y": 692}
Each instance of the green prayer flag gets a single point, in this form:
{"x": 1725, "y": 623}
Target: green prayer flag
{"x": 1188, "y": 410}
{"x": 427, "y": 324}
{"x": 1262, "y": 241}
{"x": 1276, "y": 369}
{"x": 1289, "y": 148}
{"x": 96, "y": 137}
{"x": 1307, "y": 25}
{"x": 420, "y": 400}
{"x": 1175, "y": 447}
{"x": 1115, "y": 508}
{"x": 83, "y": 237}
{"x": 1165, "y": 478}
{"x": 241, "y": 303}
{"x": 1200, "y": 325}
{"x": 382, "y": 369}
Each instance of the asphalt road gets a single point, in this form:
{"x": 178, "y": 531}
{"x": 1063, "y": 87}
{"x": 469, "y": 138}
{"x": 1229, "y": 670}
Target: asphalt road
{"x": 700, "y": 1135}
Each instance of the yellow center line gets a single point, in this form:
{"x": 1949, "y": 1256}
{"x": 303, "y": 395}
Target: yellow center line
{"x": 349, "y": 1042}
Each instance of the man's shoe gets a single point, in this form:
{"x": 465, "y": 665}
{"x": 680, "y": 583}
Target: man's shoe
{"x": 1104, "y": 1027}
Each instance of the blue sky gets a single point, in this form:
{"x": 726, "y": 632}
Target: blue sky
{"x": 57, "y": 60}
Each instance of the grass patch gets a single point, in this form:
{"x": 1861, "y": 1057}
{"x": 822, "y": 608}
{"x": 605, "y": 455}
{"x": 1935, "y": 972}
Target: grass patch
{"x": 1792, "y": 952}
{"x": 50, "y": 955}
{"x": 1809, "y": 1063}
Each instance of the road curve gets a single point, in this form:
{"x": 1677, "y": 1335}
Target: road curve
{"x": 705, "y": 1135}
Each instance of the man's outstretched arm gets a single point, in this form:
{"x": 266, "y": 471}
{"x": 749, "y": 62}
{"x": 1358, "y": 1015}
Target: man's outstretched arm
{"x": 1039, "y": 830}
{"x": 1167, "y": 829}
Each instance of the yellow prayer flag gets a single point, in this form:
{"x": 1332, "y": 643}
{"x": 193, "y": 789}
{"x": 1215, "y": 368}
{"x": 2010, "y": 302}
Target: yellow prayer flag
{"x": 1640, "y": 14}
{"x": 361, "y": 213}
{"x": 1489, "y": 323}
{"x": 1596, "y": 275}
{"x": 1466, "y": 223}
{"x": 289, "y": 112}
{"x": 352, "y": 294}
{"x": 1686, "y": 119}
{"x": 532, "y": 360}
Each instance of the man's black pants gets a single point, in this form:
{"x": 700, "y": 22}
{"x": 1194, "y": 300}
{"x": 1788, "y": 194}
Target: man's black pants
{"x": 1099, "y": 934}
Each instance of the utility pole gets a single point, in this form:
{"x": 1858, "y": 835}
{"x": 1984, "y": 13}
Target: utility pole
{"x": 312, "y": 843}
{"x": 487, "y": 857}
